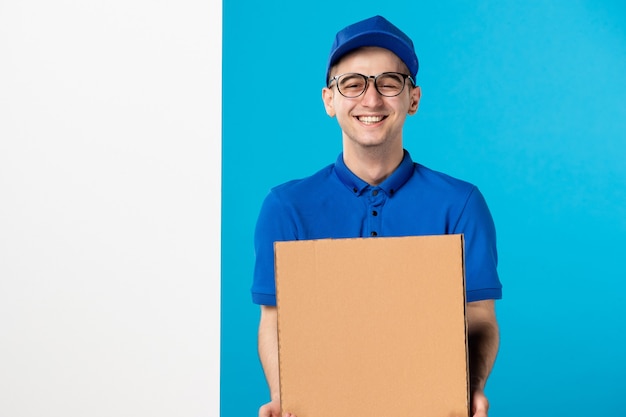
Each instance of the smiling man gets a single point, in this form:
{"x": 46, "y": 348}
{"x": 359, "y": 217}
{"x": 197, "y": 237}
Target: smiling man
{"x": 374, "y": 188}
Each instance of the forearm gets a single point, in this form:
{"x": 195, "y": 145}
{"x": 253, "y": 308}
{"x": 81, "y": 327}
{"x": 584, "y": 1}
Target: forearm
{"x": 483, "y": 341}
{"x": 268, "y": 349}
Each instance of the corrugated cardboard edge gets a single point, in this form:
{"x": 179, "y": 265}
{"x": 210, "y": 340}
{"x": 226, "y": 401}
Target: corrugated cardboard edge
{"x": 467, "y": 371}
{"x": 280, "y": 367}
{"x": 467, "y": 379}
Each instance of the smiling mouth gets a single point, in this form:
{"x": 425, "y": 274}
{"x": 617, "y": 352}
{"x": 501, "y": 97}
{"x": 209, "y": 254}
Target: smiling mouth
{"x": 370, "y": 120}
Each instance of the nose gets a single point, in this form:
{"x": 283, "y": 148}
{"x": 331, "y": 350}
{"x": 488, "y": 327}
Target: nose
{"x": 371, "y": 97}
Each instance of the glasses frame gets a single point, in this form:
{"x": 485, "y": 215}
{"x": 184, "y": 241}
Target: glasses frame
{"x": 367, "y": 78}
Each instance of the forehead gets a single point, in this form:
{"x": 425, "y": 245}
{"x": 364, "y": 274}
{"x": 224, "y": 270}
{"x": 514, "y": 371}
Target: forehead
{"x": 369, "y": 60}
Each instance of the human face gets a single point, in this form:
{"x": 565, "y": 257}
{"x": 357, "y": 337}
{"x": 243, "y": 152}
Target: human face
{"x": 371, "y": 120}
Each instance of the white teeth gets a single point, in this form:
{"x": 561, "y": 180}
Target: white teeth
{"x": 370, "y": 119}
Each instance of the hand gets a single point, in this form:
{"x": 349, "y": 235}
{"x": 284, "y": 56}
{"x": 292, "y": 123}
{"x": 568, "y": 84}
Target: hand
{"x": 480, "y": 404}
{"x": 272, "y": 409}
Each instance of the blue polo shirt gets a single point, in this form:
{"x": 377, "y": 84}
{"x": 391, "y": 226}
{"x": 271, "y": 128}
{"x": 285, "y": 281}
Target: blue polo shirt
{"x": 412, "y": 201}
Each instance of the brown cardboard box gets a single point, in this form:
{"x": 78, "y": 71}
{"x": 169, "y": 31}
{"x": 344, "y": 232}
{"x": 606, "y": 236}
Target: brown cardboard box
{"x": 372, "y": 327}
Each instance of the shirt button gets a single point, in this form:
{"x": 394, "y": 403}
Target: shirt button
{"x": 374, "y": 213}
{"x": 374, "y": 234}
{"x": 375, "y": 192}
{"x": 355, "y": 189}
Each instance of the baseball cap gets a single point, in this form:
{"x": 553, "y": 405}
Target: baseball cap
{"x": 375, "y": 31}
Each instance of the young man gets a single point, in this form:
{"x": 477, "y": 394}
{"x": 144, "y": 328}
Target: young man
{"x": 375, "y": 189}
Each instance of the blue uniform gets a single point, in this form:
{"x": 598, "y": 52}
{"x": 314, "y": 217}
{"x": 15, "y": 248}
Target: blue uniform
{"x": 412, "y": 201}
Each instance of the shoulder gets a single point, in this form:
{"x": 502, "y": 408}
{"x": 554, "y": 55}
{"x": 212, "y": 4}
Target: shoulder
{"x": 285, "y": 202}
{"x": 303, "y": 186}
{"x": 439, "y": 182}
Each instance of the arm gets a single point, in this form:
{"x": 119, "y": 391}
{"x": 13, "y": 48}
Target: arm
{"x": 268, "y": 353}
{"x": 483, "y": 341}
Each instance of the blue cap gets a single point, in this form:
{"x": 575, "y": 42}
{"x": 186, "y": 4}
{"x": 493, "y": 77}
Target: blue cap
{"x": 375, "y": 31}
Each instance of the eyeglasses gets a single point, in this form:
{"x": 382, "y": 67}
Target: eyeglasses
{"x": 353, "y": 84}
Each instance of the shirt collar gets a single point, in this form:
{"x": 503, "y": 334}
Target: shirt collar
{"x": 391, "y": 185}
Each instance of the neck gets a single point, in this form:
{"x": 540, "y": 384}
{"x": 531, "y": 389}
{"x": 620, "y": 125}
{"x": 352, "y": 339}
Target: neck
{"x": 373, "y": 165}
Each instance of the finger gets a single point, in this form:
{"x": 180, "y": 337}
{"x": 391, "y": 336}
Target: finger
{"x": 265, "y": 411}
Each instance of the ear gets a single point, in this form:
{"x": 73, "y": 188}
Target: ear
{"x": 327, "y": 98}
{"x": 414, "y": 95}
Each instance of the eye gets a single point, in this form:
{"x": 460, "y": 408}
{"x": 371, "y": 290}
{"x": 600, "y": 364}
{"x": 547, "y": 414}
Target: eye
{"x": 390, "y": 81}
{"x": 351, "y": 82}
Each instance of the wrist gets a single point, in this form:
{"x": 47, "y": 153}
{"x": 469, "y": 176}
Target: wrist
{"x": 477, "y": 383}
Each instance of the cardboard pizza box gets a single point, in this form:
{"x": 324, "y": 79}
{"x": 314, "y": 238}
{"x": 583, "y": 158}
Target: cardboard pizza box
{"x": 372, "y": 327}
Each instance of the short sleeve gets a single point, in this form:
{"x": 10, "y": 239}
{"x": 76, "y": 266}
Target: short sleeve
{"x": 273, "y": 225}
{"x": 481, "y": 255}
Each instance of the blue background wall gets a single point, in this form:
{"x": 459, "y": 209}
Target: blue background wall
{"x": 526, "y": 99}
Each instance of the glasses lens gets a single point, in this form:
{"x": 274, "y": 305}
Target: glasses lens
{"x": 351, "y": 85}
{"x": 390, "y": 84}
